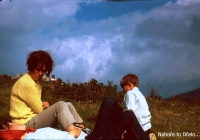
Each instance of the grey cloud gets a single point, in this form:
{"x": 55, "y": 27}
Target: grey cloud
{"x": 78, "y": 73}
{"x": 175, "y": 23}
{"x": 99, "y": 68}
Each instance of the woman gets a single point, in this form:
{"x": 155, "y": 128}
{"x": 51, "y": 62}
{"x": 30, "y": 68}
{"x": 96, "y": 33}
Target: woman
{"x": 26, "y": 106}
{"x": 112, "y": 124}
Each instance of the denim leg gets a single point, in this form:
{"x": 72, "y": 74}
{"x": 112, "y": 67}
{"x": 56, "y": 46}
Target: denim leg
{"x": 107, "y": 121}
{"x": 132, "y": 127}
{"x": 112, "y": 122}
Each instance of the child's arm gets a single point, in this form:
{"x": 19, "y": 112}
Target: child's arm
{"x": 130, "y": 101}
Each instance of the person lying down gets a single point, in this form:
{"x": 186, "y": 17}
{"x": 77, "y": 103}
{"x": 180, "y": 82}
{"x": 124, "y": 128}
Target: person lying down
{"x": 13, "y": 131}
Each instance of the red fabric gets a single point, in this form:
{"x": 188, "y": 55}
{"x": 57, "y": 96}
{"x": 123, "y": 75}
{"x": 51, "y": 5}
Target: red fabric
{"x": 14, "y": 134}
{"x": 30, "y": 130}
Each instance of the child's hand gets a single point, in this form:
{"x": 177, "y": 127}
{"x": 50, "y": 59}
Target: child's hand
{"x": 123, "y": 136}
{"x": 75, "y": 132}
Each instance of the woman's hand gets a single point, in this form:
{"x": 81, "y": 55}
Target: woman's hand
{"x": 45, "y": 105}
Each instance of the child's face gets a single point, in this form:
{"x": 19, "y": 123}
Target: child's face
{"x": 128, "y": 87}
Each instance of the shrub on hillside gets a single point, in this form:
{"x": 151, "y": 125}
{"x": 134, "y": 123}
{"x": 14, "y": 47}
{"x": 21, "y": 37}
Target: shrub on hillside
{"x": 91, "y": 91}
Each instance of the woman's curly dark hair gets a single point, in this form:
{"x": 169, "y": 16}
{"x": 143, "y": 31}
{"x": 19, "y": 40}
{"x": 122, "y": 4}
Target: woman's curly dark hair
{"x": 38, "y": 59}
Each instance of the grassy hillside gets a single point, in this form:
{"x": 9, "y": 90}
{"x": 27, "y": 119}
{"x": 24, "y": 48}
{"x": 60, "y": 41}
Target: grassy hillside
{"x": 190, "y": 95}
{"x": 175, "y": 119}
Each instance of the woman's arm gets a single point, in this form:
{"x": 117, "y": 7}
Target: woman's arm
{"x": 31, "y": 95}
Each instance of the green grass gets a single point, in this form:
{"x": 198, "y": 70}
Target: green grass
{"x": 168, "y": 117}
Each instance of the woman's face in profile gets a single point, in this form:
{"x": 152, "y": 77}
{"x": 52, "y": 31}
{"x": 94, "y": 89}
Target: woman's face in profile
{"x": 38, "y": 73}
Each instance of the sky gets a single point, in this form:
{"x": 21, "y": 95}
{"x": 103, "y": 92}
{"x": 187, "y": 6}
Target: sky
{"x": 158, "y": 40}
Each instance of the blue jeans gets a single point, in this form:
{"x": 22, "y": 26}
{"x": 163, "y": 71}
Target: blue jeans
{"x": 112, "y": 122}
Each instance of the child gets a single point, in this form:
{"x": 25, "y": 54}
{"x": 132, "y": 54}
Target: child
{"x": 134, "y": 100}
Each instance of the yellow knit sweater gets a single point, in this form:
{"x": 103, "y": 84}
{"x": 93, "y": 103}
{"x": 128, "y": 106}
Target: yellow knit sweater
{"x": 25, "y": 99}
